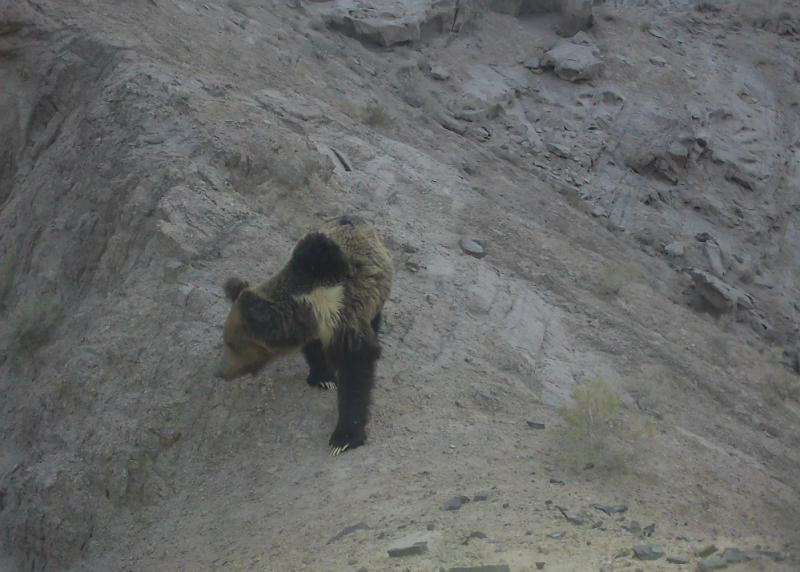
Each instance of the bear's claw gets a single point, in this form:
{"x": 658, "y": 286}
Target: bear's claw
{"x": 322, "y": 381}
{"x": 336, "y": 450}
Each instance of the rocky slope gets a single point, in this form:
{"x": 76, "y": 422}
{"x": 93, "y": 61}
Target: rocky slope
{"x": 633, "y": 188}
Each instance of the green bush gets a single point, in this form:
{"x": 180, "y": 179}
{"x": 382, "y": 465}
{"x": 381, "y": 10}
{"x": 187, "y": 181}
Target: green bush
{"x": 598, "y": 430}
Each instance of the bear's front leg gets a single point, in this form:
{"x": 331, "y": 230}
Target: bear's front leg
{"x": 356, "y": 380}
{"x": 320, "y": 373}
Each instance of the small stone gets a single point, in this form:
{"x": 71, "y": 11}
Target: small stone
{"x": 597, "y": 524}
{"x": 753, "y": 555}
{"x": 648, "y": 551}
{"x": 690, "y": 73}
{"x": 610, "y": 510}
{"x": 733, "y": 555}
{"x": 352, "y": 562}
{"x": 557, "y": 535}
{"x": 560, "y": 150}
{"x": 658, "y": 61}
{"x": 439, "y": 72}
{"x": 455, "y": 503}
{"x": 539, "y": 565}
{"x": 707, "y": 551}
{"x": 674, "y": 250}
{"x": 649, "y": 530}
{"x": 431, "y": 526}
{"x": 599, "y": 211}
{"x": 506, "y": 505}
{"x": 677, "y": 560}
{"x": 623, "y": 553}
{"x": 776, "y": 556}
{"x": 481, "y": 496}
{"x": 713, "y": 563}
{"x": 572, "y": 517}
{"x": 472, "y": 247}
{"x": 557, "y": 482}
{"x": 535, "y": 424}
{"x": 634, "y": 527}
{"x": 473, "y": 535}
{"x": 412, "y": 266}
{"x": 413, "y": 550}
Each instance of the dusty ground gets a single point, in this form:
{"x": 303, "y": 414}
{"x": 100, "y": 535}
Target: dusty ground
{"x": 152, "y": 148}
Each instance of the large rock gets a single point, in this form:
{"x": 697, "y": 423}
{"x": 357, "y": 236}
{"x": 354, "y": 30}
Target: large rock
{"x": 574, "y": 58}
{"x": 397, "y": 21}
{"x": 721, "y": 295}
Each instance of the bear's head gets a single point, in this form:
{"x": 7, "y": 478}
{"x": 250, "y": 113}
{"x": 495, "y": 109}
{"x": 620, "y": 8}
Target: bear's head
{"x": 253, "y": 333}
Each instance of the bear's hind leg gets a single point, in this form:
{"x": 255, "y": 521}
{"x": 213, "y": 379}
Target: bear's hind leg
{"x": 356, "y": 380}
{"x": 321, "y": 374}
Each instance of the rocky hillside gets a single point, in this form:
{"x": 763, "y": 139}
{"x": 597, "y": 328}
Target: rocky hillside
{"x": 591, "y": 349}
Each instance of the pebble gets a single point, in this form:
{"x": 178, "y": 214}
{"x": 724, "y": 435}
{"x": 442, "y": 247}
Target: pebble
{"x": 539, "y": 565}
{"x": 648, "y": 551}
{"x": 472, "y": 247}
{"x": 558, "y": 535}
{"x": 413, "y": 550}
{"x": 611, "y": 510}
{"x": 674, "y": 249}
{"x": 658, "y": 61}
{"x": 733, "y": 555}
{"x": 557, "y": 482}
{"x": 560, "y": 150}
{"x": 713, "y": 563}
{"x": 707, "y": 551}
{"x": 481, "y": 496}
{"x": 455, "y": 503}
{"x": 439, "y": 72}
{"x": 572, "y": 517}
{"x": 535, "y": 424}
{"x": 649, "y": 530}
{"x": 473, "y": 535}
{"x": 677, "y": 560}
{"x": 634, "y": 527}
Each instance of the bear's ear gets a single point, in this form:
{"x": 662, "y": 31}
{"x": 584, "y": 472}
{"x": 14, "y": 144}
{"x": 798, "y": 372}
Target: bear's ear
{"x": 319, "y": 259}
{"x": 233, "y": 287}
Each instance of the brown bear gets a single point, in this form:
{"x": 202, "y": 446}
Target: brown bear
{"x": 327, "y": 302}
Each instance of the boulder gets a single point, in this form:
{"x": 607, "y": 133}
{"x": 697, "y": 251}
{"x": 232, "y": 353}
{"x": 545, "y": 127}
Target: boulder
{"x": 720, "y": 295}
{"x": 574, "y": 59}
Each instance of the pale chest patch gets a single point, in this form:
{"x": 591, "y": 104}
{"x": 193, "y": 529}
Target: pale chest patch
{"x": 327, "y": 304}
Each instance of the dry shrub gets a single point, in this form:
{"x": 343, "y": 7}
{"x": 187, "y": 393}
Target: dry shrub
{"x": 780, "y": 385}
{"x": 376, "y": 115}
{"x": 618, "y": 275}
{"x": 598, "y": 430}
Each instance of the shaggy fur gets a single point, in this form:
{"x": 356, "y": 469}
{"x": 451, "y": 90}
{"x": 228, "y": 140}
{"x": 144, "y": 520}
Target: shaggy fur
{"x": 327, "y": 302}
